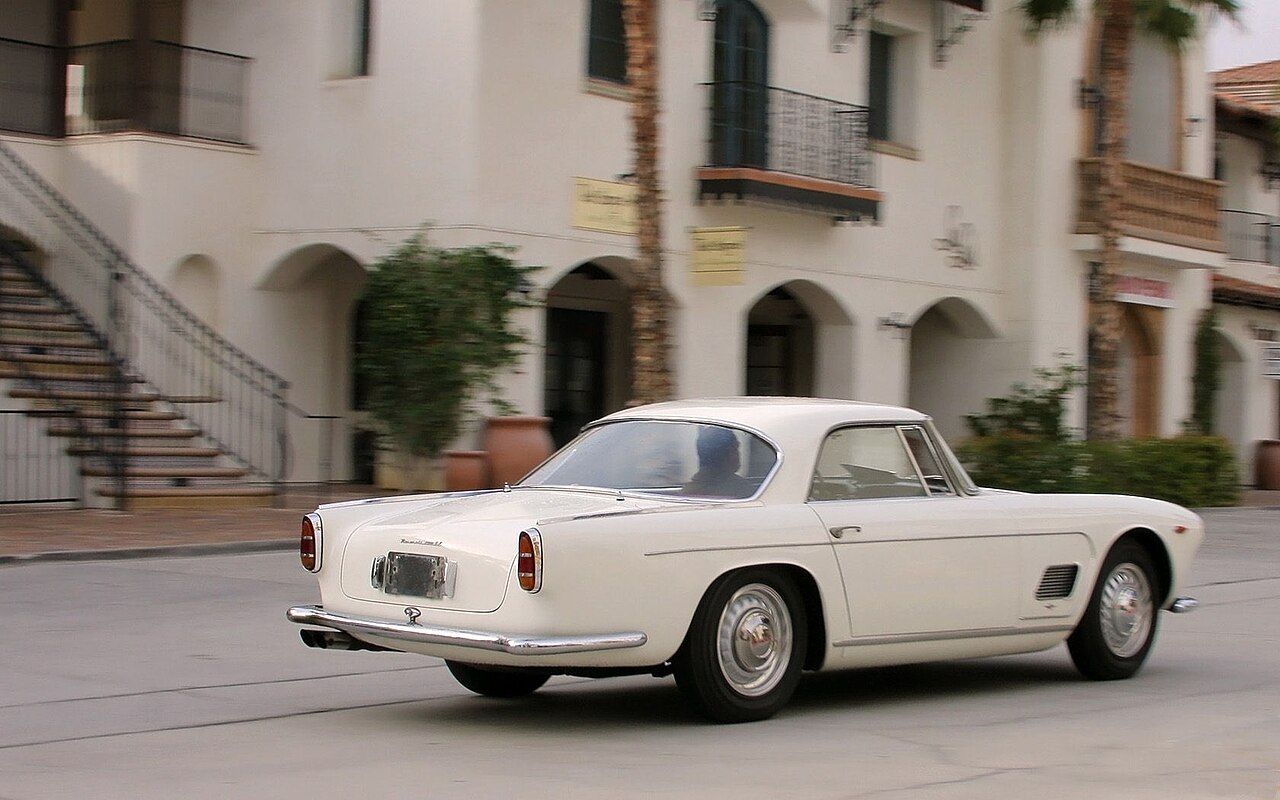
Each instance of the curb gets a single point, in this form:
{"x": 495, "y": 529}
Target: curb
{"x": 160, "y": 551}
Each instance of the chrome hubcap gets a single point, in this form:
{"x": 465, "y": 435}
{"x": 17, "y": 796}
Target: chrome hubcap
{"x": 1127, "y": 610}
{"x": 753, "y": 640}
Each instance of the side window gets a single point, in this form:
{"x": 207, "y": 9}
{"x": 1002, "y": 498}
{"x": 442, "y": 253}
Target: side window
{"x": 863, "y": 464}
{"x": 927, "y": 461}
{"x": 607, "y": 42}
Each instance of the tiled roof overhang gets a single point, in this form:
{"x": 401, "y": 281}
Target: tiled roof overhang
{"x": 1237, "y": 292}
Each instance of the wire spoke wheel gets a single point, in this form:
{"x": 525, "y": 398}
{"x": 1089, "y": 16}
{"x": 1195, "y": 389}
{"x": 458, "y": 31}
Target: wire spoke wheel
{"x": 1127, "y": 610}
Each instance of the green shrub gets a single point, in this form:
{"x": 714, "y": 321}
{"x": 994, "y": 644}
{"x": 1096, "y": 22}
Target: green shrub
{"x": 1192, "y": 471}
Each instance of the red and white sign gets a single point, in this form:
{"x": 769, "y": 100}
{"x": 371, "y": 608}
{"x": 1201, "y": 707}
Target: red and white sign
{"x": 1143, "y": 291}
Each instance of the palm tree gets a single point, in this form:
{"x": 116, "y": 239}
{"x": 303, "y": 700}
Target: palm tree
{"x": 650, "y": 306}
{"x": 1175, "y": 22}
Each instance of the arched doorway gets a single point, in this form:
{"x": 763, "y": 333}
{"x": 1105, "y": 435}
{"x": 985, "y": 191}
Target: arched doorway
{"x": 1139, "y": 371}
{"x": 799, "y": 343}
{"x": 948, "y": 343}
{"x": 588, "y": 345}
{"x": 1229, "y": 412}
{"x": 740, "y": 80}
{"x": 314, "y": 293}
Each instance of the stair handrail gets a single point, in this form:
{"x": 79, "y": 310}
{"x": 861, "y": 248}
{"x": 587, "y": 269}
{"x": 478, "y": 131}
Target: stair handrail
{"x": 114, "y": 326}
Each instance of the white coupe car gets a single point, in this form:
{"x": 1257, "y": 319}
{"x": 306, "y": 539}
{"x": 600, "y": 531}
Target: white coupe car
{"x": 736, "y": 543}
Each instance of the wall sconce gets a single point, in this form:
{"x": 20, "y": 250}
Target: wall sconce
{"x": 1192, "y": 127}
{"x": 895, "y": 321}
{"x": 1270, "y": 172}
{"x": 1088, "y": 96}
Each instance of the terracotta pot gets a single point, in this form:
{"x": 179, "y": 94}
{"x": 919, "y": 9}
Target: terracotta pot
{"x": 465, "y": 470}
{"x": 1266, "y": 464}
{"x": 515, "y": 445}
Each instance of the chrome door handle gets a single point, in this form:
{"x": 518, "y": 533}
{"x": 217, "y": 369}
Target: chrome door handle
{"x": 840, "y": 530}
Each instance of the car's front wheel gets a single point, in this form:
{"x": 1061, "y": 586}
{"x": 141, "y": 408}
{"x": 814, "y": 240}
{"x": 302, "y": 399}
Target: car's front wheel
{"x": 1119, "y": 626}
{"x": 495, "y": 682}
{"x": 742, "y": 658}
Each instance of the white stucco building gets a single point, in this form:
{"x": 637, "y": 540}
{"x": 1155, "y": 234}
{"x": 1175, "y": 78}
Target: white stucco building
{"x": 909, "y": 188}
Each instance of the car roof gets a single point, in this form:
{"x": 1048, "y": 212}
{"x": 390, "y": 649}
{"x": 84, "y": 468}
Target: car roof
{"x": 774, "y": 416}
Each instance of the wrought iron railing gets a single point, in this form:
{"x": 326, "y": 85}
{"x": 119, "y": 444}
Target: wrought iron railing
{"x": 174, "y": 89}
{"x": 236, "y": 403}
{"x": 126, "y": 85}
{"x": 1251, "y": 236}
{"x": 764, "y": 127}
{"x": 34, "y": 467}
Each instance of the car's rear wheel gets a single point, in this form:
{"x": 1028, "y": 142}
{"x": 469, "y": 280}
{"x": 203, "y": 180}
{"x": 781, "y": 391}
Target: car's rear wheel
{"x": 742, "y": 658}
{"x": 495, "y": 682}
{"x": 1119, "y": 626}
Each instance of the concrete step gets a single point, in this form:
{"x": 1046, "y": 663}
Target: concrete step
{"x": 189, "y": 454}
{"x": 169, "y": 475}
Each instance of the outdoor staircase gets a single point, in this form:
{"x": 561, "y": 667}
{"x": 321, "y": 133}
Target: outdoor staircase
{"x": 135, "y": 447}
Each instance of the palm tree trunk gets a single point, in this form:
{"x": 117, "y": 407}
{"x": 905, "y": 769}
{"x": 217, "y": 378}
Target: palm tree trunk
{"x": 649, "y": 302}
{"x": 1103, "y": 414}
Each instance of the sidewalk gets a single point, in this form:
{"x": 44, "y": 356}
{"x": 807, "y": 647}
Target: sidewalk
{"x": 31, "y": 532}
{"x": 82, "y": 534}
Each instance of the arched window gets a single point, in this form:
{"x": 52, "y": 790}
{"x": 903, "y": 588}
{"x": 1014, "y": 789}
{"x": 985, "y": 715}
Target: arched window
{"x": 740, "y": 74}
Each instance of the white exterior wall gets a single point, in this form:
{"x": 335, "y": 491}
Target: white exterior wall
{"x": 477, "y": 116}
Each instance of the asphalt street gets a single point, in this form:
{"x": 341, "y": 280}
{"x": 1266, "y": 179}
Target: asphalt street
{"x": 167, "y": 677}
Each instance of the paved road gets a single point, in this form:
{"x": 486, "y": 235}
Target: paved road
{"x": 164, "y": 678}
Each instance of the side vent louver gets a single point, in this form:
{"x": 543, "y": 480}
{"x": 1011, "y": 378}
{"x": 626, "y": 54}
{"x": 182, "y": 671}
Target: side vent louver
{"x": 1058, "y": 582}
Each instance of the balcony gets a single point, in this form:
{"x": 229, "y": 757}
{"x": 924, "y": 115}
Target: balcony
{"x": 1251, "y": 237}
{"x": 1158, "y": 205}
{"x": 157, "y": 87}
{"x": 779, "y": 147}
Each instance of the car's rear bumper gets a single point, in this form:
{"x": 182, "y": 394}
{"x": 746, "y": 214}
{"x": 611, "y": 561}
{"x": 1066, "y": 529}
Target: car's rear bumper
{"x": 512, "y": 643}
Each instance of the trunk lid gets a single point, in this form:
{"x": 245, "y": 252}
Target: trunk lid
{"x": 469, "y": 541}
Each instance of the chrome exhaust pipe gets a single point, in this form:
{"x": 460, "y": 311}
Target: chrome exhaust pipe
{"x": 336, "y": 640}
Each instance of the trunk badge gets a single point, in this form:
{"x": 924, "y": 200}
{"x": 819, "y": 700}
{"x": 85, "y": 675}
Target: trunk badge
{"x": 421, "y": 542}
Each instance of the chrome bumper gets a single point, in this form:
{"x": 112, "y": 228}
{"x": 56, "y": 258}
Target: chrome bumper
{"x": 1184, "y": 604}
{"x": 516, "y": 644}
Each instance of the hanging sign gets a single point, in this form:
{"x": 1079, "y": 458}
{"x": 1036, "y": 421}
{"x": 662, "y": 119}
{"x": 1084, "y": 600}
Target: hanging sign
{"x": 608, "y": 206}
{"x": 1271, "y": 361}
{"x": 1143, "y": 291}
{"x": 718, "y": 255}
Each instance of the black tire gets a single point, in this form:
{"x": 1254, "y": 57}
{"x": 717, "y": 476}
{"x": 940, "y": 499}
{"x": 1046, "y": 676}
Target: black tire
{"x": 496, "y": 682}
{"x": 742, "y": 657}
{"x": 1119, "y": 626}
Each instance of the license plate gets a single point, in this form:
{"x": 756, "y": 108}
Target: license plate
{"x": 418, "y": 575}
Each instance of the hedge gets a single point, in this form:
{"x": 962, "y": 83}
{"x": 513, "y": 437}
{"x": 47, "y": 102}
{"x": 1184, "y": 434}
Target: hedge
{"x": 1192, "y": 471}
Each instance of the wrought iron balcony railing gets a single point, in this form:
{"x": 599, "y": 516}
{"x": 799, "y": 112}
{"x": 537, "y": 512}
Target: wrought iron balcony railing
{"x": 788, "y": 147}
{"x": 1251, "y": 236}
{"x": 1157, "y": 205}
{"x": 125, "y": 85}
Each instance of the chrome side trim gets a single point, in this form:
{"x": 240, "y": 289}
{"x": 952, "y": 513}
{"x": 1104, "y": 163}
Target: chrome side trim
{"x": 513, "y": 643}
{"x": 1184, "y": 605}
{"x": 938, "y": 636}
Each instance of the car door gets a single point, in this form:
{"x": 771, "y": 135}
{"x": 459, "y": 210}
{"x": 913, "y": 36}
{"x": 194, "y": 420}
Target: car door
{"x": 919, "y": 560}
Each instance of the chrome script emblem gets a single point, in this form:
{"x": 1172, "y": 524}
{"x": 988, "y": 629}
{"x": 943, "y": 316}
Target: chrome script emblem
{"x": 421, "y": 542}
{"x": 413, "y": 614}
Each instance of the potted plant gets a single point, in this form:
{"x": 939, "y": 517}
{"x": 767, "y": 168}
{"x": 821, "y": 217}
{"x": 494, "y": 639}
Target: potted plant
{"x": 436, "y": 332}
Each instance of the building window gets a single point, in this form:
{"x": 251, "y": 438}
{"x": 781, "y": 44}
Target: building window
{"x": 880, "y": 86}
{"x": 351, "y": 39}
{"x": 891, "y": 81}
{"x": 607, "y": 42}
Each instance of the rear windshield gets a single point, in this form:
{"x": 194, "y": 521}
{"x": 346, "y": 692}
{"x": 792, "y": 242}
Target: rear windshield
{"x": 684, "y": 459}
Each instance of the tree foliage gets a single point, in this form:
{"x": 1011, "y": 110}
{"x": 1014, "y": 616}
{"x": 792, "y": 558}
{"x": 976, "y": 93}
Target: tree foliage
{"x": 1207, "y": 377}
{"x": 437, "y": 332}
{"x": 1035, "y": 412}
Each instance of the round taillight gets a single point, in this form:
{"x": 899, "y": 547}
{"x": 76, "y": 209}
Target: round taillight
{"x": 529, "y": 560}
{"x": 309, "y": 543}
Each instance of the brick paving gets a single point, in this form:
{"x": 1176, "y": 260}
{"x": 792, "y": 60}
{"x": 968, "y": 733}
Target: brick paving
{"x": 33, "y": 532}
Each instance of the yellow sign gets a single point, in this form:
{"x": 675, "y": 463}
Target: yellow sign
{"x": 718, "y": 254}
{"x": 606, "y": 206}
